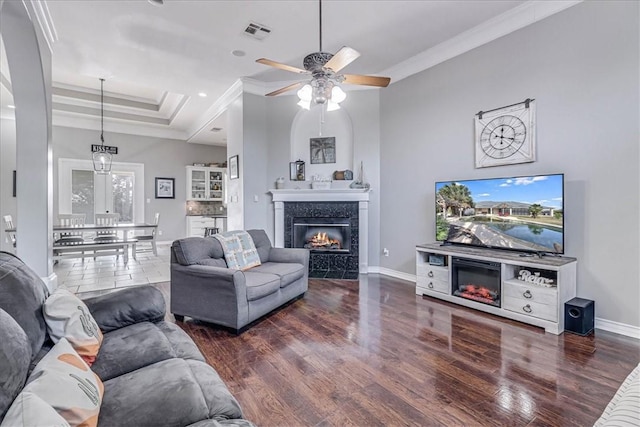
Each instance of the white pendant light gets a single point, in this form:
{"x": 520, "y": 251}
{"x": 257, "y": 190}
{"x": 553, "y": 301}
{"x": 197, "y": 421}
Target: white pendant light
{"x": 102, "y": 159}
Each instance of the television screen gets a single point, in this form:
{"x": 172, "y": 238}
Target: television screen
{"x": 518, "y": 213}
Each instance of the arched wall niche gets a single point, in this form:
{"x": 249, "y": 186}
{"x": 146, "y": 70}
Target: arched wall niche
{"x": 316, "y": 123}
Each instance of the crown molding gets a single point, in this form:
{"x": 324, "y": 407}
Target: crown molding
{"x": 503, "y": 24}
{"x": 39, "y": 11}
{"x": 204, "y": 123}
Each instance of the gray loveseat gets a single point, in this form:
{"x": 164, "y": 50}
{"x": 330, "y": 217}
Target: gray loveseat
{"x": 202, "y": 287}
{"x": 153, "y": 374}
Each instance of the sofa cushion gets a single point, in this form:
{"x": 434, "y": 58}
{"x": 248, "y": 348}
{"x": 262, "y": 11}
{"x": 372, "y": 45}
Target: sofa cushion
{"x": 262, "y": 242}
{"x": 128, "y": 306}
{"x": 64, "y": 381}
{"x": 68, "y": 317}
{"x": 136, "y": 346}
{"x": 29, "y": 410}
{"x": 213, "y": 262}
{"x": 190, "y": 250}
{"x": 130, "y": 348}
{"x": 288, "y": 272}
{"x": 260, "y": 285}
{"x": 22, "y": 294}
{"x": 15, "y": 356}
{"x": 174, "y": 392}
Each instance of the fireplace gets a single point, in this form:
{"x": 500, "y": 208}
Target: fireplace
{"x": 330, "y": 231}
{"x": 348, "y": 205}
{"x": 322, "y": 234}
{"x": 476, "y": 280}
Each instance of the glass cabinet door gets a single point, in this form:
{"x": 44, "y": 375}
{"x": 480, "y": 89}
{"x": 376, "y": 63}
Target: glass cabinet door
{"x": 198, "y": 181}
{"x": 216, "y": 185}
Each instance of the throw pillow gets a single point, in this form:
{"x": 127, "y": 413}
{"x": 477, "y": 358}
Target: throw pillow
{"x": 239, "y": 250}
{"x": 68, "y": 317}
{"x": 64, "y": 381}
{"x": 29, "y": 410}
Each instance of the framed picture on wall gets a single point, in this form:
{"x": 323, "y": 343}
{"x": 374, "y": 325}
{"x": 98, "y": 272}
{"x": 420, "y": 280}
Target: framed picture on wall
{"x": 323, "y": 150}
{"x": 165, "y": 188}
{"x": 234, "y": 170}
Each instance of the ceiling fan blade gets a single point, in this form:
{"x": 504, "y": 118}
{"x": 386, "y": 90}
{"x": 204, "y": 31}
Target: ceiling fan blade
{"x": 286, "y": 88}
{"x": 357, "y": 79}
{"x": 342, "y": 58}
{"x": 285, "y": 67}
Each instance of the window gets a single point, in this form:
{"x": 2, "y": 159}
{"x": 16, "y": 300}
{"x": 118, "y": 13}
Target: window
{"x": 80, "y": 190}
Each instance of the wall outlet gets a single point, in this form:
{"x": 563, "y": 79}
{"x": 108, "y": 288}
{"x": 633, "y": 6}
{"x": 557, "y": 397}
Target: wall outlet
{"x": 159, "y": 232}
{"x": 385, "y": 252}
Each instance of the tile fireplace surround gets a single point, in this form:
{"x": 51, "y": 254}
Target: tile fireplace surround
{"x": 353, "y": 199}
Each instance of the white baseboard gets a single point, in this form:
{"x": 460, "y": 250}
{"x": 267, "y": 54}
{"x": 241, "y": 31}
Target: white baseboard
{"x": 604, "y": 324}
{"x": 618, "y": 328}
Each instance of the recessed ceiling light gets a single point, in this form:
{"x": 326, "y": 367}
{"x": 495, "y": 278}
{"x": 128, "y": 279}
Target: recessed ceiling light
{"x": 238, "y": 53}
{"x": 11, "y": 106}
{"x": 202, "y": 95}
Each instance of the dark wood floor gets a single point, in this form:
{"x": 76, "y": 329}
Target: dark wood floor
{"x": 373, "y": 353}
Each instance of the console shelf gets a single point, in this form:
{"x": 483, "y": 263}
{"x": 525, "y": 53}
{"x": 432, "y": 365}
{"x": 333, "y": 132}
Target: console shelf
{"x": 533, "y": 289}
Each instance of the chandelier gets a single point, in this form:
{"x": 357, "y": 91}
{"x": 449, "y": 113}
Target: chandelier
{"x": 102, "y": 159}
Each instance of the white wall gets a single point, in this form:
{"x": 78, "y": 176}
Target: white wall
{"x": 235, "y": 191}
{"x": 162, "y": 158}
{"x": 582, "y": 67}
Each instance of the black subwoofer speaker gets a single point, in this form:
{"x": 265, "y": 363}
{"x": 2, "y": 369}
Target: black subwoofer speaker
{"x": 579, "y": 316}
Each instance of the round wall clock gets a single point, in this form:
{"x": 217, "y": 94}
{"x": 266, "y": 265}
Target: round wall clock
{"x": 505, "y": 135}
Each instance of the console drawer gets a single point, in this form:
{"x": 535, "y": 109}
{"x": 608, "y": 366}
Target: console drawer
{"x": 433, "y": 284}
{"x": 431, "y": 272}
{"x": 525, "y": 292}
{"x": 531, "y": 308}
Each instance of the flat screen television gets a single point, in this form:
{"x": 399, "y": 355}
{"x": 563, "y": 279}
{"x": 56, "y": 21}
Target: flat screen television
{"x": 523, "y": 213}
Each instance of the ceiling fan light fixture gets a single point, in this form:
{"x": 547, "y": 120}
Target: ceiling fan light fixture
{"x": 332, "y": 106}
{"x": 338, "y": 95}
{"x": 305, "y": 105}
{"x": 305, "y": 93}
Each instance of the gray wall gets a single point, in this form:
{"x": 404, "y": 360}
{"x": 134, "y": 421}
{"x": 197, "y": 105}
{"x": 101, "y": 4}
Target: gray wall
{"x": 582, "y": 67}
{"x": 161, "y": 157}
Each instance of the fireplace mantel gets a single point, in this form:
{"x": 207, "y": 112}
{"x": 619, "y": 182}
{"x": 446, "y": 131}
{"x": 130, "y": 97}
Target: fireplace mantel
{"x": 360, "y": 195}
{"x": 331, "y": 195}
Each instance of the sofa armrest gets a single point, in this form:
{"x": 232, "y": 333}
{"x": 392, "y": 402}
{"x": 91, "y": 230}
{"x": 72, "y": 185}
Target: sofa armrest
{"x": 293, "y": 255}
{"x": 122, "y": 308}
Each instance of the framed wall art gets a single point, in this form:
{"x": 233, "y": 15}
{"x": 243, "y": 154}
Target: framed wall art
{"x": 234, "y": 168}
{"x": 165, "y": 188}
{"x": 323, "y": 150}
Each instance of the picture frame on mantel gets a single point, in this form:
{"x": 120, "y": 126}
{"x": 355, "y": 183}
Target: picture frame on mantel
{"x": 234, "y": 167}
{"x": 165, "y": 188}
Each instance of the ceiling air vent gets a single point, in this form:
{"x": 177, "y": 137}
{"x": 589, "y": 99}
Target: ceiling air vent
{"x": 257, "y": 31}
{"x": 216, "y": 129}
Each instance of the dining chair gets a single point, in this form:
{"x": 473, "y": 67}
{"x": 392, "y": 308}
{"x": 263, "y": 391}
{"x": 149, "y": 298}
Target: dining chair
{"x": 149, "y": 238}
{"x": 8, "y": 224}
{"x": 106, "y": 219}
{"x": 71, "y": 220}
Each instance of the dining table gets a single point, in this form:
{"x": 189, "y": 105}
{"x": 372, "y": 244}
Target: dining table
{"x": 122, "y": 242}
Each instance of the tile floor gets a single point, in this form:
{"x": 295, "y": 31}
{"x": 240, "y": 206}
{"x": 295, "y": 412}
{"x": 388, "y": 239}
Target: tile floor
{"x": 107, "y": 272}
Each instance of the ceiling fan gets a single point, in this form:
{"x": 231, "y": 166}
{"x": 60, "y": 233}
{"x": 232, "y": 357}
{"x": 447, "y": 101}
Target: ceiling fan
{"x": 324, "y": 68}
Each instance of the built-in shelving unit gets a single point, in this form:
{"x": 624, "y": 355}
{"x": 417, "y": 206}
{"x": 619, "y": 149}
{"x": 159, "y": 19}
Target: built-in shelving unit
{"x": 532, "y": 289}
{"x": 206, "y": 183}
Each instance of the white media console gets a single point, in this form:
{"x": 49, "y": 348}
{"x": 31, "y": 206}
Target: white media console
{"x": 532, "y": 289}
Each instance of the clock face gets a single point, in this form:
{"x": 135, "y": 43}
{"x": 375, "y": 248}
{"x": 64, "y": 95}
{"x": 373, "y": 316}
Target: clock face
{"x": 503, "y": 136}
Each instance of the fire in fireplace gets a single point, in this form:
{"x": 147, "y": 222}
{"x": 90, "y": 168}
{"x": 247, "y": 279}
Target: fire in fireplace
{"x": 476, "y": 280}
{"x": 322, "y": 234}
